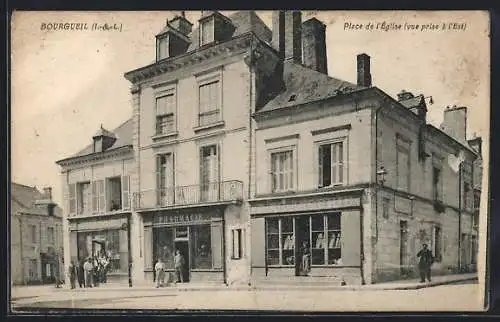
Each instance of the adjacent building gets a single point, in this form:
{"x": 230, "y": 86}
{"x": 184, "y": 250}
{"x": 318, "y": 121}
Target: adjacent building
{"x": 96, "y": 188}
{"x": 241, "y": 150}
{"x": 36, "y": 236}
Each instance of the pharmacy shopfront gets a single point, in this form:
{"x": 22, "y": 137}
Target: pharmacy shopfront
{"x": 198, "y": 235}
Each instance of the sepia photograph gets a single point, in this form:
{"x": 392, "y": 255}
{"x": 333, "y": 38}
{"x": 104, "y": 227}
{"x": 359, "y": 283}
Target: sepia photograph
{"x": 257, "y": 161}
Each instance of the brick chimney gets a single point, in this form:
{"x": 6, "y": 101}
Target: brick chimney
{"x": 314, "y": 45}
{"x": 47, "y": 192}
{"x": 364, "y": 74}
{"x": 181, "y": 24}
{"x": 287, "y": 35}
{"x": 455, "y": 122}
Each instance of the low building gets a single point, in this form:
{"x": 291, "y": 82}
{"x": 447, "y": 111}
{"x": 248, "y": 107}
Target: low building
{"x": 36, "y": 236}
{"x": 96, "y": 188}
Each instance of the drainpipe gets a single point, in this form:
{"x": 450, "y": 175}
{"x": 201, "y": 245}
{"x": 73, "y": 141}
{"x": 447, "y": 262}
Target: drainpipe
{"x": 21, "y": 249}
{"x": 361, "y": 247}
{"x": 376, "y": 167}
{"x": 129, "y": 252}
{"x": 460, "y": 216}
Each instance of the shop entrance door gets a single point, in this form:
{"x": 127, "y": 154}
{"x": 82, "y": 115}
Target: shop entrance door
{"x": 183, "y": 247}
{"x": 302, "y": 231}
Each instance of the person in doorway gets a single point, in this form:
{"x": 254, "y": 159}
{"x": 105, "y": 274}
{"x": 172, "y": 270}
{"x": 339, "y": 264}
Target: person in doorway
{"x": 425, "y": 263}
{"x": 160, "y": 273}
{"x": 72, "y": 274}
{"x": 306, "y": 255}
{"x": 178, "y": 266}
{"x": 88, "y": 267}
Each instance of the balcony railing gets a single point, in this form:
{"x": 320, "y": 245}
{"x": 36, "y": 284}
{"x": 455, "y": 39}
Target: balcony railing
{"x": 189, "y": 195}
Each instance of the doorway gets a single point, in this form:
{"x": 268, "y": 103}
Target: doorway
{"x": 183, "y": 247}
{"x": 403, "y": 247}
{"x": 302, "y": 231}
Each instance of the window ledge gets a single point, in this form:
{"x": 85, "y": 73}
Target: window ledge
{"x": 207, "y": 127}
{"x": 170, "y": 135}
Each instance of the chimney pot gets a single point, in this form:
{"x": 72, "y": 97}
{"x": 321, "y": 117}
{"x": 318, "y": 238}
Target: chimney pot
{"x": 287, "y": 35}
{"x": 364, "y": 74}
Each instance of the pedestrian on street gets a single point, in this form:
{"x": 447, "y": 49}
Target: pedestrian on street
{"x": 88, "y": 267}
{"x": 178, "y": 266}
{"x": 80, "y": 273}
{"x": 72, "y": 274}
{"x": 160, "y": 273}
{"x": 154, "y": 271}
{"x": 425, "y": 263}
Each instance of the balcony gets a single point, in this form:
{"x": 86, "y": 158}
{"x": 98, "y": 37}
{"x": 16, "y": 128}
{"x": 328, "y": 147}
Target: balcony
{"x": 211, "y": 193}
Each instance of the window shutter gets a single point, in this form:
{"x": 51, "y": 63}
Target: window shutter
{"x": 102, "y": 196}
{"x": 72, "y": 199}
{"x": 125, "y": 192}
{"x": 158, "y": 179}
{"x": 95, "y": 197}
{"x": 320, "y": 166}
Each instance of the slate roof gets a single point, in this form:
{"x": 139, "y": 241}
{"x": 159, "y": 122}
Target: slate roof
{"x": 24, "y": 198}
{"x": 306, "y": 85}
{"x": 123, "y": 134}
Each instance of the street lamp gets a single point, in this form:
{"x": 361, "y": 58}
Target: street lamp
{"x": 126, "y": 227}
{"x": 380, "y": 180}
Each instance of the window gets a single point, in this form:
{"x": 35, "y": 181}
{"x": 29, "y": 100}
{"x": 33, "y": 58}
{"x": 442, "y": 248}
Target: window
{"x": 209, "y": 103}
{"x": 201, "y": 247}
{"x": 324, "y": 238}
{"x": 32, "y": 230}
{"x": 51, "y": 239}
{"x": 437, "y": 184}
{"x": 165, "y": 114}
{"x": 385, "y": 207}
{"x": 84, "y": 198}
{"x": 237, "y": 246}
{"x": 162, "y": 48}
{"x": 72, "y": 199}
{"x": 165, "y": 179}
{"x": 209, "y": 172}
{"x": 98, "y": 196}
{"x": 282, "y": 171}
{"x": 437, "y": 243}
{"x": 331, "y": 164}
{"x": 114, "y": 199}
{"x": 33, "y": 269}
{"x": 403, "y": 164}
{"x": 477, "y": 199}
{"x": 207, "y": 32}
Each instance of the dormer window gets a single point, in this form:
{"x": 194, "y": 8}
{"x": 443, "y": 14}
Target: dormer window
{"x": 162, "y": 45}
{"x": 214, "y": 28}
{"x": 103, "y": 140}
{"x": 207, "y": 31}
{"x": 98, "y": 144}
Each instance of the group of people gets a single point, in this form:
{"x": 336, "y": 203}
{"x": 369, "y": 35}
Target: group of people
{"x": 160, "y": 270}
{"x": 90, "y": 272}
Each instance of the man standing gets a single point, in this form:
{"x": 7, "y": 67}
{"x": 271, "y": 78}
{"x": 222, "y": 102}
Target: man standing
{"x": 178, "y": 265}
{"x": 425, "y": 263}
{"x": 88, "y": 267}
{"x": 72, "y": 274}
{"x": 160, "y": 272}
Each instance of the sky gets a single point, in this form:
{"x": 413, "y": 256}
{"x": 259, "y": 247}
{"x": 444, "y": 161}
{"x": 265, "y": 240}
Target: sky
{"x": 65, "y": 84}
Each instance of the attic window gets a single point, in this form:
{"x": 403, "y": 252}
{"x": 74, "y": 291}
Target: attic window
{"x": 292, "y": 98}
{"x": 207, "y": 31}
{"x": 162, "y": 48}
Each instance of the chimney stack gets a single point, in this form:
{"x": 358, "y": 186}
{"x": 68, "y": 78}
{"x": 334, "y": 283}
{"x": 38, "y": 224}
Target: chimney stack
{"x": 278, "y": 38}
{"x": 48, "y": 192}
{"x": 455, "y": 122}
{"x": 287, "y": 35}
{"x": 364, "y": 74}
{"x": 181, "y": 24}
{"x": 314, "y": 45}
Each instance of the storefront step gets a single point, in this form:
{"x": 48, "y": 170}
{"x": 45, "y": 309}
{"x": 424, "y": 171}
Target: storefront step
{"x": 302, "y": 280}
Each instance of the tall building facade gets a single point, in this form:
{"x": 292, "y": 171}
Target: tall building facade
{"x": 35, "y": 236}
{"x": 242, "y": 151}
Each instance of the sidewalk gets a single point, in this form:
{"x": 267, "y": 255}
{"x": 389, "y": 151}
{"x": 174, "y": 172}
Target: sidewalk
{"x": 38, "y": 291}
